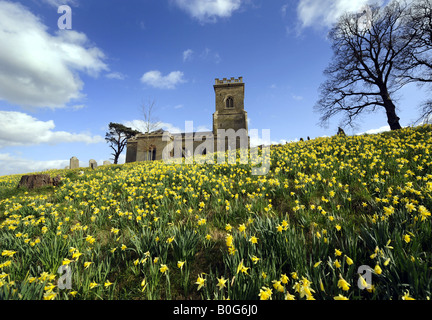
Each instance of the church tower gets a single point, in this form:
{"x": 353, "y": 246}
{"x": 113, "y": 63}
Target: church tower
{"x": 230, "y": 113}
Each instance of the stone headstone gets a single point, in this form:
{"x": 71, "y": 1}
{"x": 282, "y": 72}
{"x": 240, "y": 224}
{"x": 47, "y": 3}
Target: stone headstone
{"x": 93, "y": 164}
{"x": 67, "y": 167}
{"x": 74, "y": 163}
{"x": 38, "y": 180}
{"x": 106, "y": 163}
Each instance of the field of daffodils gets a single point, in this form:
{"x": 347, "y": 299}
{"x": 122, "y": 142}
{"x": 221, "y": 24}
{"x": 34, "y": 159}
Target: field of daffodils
{"x": 345, "y": 217}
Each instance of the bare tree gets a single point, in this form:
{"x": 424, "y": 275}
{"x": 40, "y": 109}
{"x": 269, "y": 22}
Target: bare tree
{"x": 362, "y": 75}
{"x": 418, "y": 66}
{"x": 150, "y": 123}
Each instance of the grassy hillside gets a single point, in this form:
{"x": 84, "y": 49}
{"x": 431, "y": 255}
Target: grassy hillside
{"x": 157, "y": 231}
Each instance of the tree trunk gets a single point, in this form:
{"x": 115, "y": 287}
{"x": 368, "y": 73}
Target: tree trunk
{"x": 392, "y": 118}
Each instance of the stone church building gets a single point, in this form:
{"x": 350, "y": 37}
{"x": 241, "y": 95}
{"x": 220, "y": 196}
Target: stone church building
{"x": 230, "y": 130}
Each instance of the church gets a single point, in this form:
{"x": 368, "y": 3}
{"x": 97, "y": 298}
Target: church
{"x": 230, "y": 130}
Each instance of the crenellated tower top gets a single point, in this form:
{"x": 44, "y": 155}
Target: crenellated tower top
{"x": 228, "y": 81}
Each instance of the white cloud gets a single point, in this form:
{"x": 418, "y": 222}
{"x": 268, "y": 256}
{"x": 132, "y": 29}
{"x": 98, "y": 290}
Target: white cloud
{"x": 209, "y": 55}
{"x": 115, "y": 75}
{"x": 284, "y": 9}
{"x": 155, "y": 79}
{"x": 58, "y": 3}
{"x": 209, "y": 10}
{"x": 169, "y": 127}
{"x": 179, "y": 106}
{"x": 187, "y": 55}
{"x": 39, "y": 69}
{"x": 256, "y": 141}
{"x": 375, "y": 131}
{"x": 140, "y": 125}
{"x": 202, "y": 129}
{"x": 78, "y": 107}
{"x": 326, "y": 12}
{"x": 20, "y": 129}
{"x": 297, "y": 98}
{"x": 15, "y": 165}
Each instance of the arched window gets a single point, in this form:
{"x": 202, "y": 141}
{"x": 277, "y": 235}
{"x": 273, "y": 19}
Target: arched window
{"x": 230, "y": 102}
{"x": 152, "y": 153}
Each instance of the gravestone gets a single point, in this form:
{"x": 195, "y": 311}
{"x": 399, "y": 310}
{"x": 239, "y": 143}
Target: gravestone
{"x": 74, "y": 163}
{"x": 106, "y": 163}
{"x": 93, "y": 164}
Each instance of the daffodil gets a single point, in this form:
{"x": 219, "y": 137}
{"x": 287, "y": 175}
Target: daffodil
{"x": 424, "y": 212}
{"x": 229, "y": 240}
{"x": 169, "y": 240}
{"x": 378, "y": 269}
{"x": 143, "y": 284}
{"x": 49, "y": 295}
{"x": 340, "y": 297}
{"x": 241, "y": 268}
{"x": 254, "y": 259}
{"x": 407, "y": 296}
{"x": 343, "y": 284}
{"x": 410, "y": 207}
{"x": 387, "y": 262}
{"x": 180, "y": 264}
{"x": 253, "y": 240}
{"x": 363, "y": 283}
{"x": 278, "y": 286}
{"x": 265, "y": 293}
{"x": 200, "y": 282}
{"x": 289, "y": 296}
{"x": 76, "y": 255}
{"x": 163, "y": 268}
{"x": 221, "y": 283}
{"x": 242, "y": 227}
{"x": 8, "y": 253}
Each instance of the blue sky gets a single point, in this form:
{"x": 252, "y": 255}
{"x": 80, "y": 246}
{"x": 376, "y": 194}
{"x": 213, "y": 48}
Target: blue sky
{"x": 59, "y": 89}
